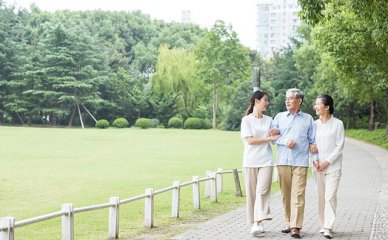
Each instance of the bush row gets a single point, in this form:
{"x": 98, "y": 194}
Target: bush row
{"x": 174, "y": 122}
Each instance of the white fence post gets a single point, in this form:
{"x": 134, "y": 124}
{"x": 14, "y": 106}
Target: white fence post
{"x": 149, "y": 208}
{"x": 213, "y": 187}
{"x": 196, "y": 193}
{"x": 207, "y": 184}
{"x": 237, "y": 184}
{"x": 114, "y": 217}
{"x": 9, "y": 223}
{"x": 175, "y": 199}
{"x": 219, "y": 180}
{"x": 68, "y": 221}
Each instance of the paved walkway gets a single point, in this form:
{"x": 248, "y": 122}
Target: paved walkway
{"x": 362, "y": 211}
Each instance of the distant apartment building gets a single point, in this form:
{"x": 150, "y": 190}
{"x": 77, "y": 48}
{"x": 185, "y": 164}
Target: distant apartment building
{"x": 277, "y": 21}
{"x": 186, "y": 16}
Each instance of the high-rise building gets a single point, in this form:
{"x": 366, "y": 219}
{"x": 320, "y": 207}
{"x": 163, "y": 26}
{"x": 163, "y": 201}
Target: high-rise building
{"x": 277, "y": 21}
{"x": 186, "y": 16}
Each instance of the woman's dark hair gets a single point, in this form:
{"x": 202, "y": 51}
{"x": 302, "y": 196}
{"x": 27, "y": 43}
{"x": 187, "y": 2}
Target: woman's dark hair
{"x": 328, "y": 102}
{"x": 256, "y": 95}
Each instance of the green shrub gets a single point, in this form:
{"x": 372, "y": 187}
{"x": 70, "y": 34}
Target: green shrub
{"x": 120, "y": 123}
{"x": 206, "y": 124}
{"x": 193, "y": 123}
{"x": 143, "y": 123}
{"x": 175, "y": 122}
{"x": 155, "y": 122}
{"x": 102, "y": 123}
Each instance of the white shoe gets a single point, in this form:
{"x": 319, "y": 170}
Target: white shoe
{"x": 322, "y": 230}
{"x": 257, "y": 228}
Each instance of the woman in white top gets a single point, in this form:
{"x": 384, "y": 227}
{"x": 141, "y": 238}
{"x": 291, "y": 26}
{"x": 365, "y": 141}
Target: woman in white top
{"x": 257, "y": 161}
{"x": 330, "y": 139}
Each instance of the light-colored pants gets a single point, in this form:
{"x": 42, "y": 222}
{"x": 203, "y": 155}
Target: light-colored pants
{"x": 258, "y": 190}
{"x": 327, "y": 186}
{"x": 292, "y": 182}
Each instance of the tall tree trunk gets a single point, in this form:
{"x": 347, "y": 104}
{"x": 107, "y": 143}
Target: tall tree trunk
{"x": 372, "y": 115}
{"x": 1, "y": 118}
{"x": 351, "y": 117}
{"x": 72, "y": 117}
{"x": 54, "y": 119}
{"x": 215, "y": 105}
{"x": 20, "y": 118}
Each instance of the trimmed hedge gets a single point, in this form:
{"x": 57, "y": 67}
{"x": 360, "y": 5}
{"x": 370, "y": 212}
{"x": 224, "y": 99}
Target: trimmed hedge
{"x": 206, "y": 124}
{"x": 120, "y": 123}
{"x": 102, "y": 123}
{"x": 175, "y": 122}
{"x": 155, "y": 122}
{"x": 144, "y": 123}
{"x": 193, "y": 123}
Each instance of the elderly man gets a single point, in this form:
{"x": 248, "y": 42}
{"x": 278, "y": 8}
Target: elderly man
{"x": 297, "y": 133}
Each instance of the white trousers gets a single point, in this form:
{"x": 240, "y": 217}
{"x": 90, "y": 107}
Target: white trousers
{"x": 327, "y": 186}
{"x": 258, "y": 190}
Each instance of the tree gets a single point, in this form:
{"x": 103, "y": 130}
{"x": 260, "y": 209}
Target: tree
{"x": 355, "y": 34}
{"x": 175, "y": 75}
{"x": 223, "y": 63}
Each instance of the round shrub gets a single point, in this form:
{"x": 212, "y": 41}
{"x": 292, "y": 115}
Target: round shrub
{"x": 102, "y": 123}
{"x": 143, "y": 123}
{"x": 120, "y": 123}
{"x": 193, "y": 123}
{"x": 175, "y": 122}
{"x": 155, "y": 122}
{"x": 206, "y": 124}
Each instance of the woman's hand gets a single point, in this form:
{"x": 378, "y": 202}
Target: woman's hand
{"x": 323, "y": 165}
{"x": 273, "y": 137}
{"x": 316, "y": 165}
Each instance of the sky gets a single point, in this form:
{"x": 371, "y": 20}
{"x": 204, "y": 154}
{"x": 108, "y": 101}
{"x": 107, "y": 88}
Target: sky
{"x": 241, "y": 14}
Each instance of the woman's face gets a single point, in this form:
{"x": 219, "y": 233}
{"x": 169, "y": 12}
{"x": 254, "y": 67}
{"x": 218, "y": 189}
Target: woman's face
{"x": 262, "y": 104}
{"x": 319, "y": 107}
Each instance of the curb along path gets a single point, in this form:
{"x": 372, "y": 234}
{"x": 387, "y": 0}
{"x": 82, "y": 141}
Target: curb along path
{"x": 362, "y": 210}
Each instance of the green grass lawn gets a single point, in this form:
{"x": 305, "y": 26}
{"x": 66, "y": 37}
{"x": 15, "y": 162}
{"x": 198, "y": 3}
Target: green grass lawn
{"x": 42, "y": 168}
{"x": 375, "y": 137}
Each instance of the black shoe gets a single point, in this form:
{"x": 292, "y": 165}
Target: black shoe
{"x": 295, "y": 233}
{"x": 327, "y": 234}
{"x": 286, "y": 230}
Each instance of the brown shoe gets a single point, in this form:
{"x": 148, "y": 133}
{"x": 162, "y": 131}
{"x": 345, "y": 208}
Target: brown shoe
{"x": 295, "y": 233}
{"x": 286, "y": 230}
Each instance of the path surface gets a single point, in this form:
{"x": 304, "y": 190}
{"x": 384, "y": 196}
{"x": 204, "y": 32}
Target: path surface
{"x": 362, "y": 211}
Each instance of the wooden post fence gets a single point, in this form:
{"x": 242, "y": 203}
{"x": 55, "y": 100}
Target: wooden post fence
{"x": 213, "y": 186}
{"x": 114, "y": 216}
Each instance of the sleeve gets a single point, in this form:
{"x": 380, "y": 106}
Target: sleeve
{"x": 339, "y": 143}
{"x": 245, "y": 129}
{"x": 311, "y": 131}
{"x": 275, "y": 124}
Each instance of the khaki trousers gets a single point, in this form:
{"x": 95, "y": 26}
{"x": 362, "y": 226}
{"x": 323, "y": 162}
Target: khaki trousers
{"x": 327, "y": 186}
{"x": 293, "y": 186}
{"x": 258, "y": 190}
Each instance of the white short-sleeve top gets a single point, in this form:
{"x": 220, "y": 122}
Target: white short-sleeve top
{"x": 256, "y": 155}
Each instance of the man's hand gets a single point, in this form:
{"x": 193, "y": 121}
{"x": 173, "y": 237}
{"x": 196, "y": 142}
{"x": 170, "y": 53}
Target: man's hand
{"x": 291, "y": 144}
{"x": 274, "y": 131}
{"x": 313, "y": 148}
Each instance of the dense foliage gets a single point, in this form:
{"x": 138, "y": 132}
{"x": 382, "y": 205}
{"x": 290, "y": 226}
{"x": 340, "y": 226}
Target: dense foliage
{"x": 63, "y": 67}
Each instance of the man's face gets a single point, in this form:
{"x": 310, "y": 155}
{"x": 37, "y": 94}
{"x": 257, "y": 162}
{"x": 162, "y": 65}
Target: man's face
{"x": 292, "y": 103}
